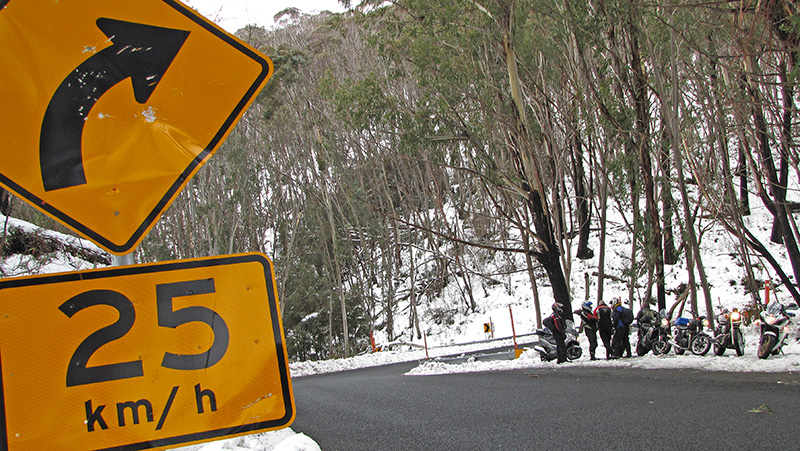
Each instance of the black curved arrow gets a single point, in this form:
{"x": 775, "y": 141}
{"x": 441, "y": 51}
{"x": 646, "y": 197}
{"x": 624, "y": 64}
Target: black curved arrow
{"x": 140, "y": 52}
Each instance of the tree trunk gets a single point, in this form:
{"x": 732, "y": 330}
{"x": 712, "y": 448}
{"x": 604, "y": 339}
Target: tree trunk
{"x": 601, "y": 258}
{"x": 667, "y": 202}
{"x": 549, "y": 256}
{"x": 526, "y": 242}
{"x": 339, "y": 288}
{"x": 777, "y": 204}
{"x": 584, "y": 252}
{"x": 5, "y": 202}
{"x": 642, "y": 107}
{"x": 522, "y": 151}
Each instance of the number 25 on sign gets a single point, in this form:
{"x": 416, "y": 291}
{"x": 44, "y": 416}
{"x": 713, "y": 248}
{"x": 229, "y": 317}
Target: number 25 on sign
{"x": 143, "y": 357}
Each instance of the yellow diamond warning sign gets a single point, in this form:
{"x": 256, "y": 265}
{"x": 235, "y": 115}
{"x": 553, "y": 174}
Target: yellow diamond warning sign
{"x": 111, "y": 106}
{"x": 143, "y": 357}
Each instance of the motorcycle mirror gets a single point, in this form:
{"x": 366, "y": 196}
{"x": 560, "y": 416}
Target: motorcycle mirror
{"x": 792, "y": 306}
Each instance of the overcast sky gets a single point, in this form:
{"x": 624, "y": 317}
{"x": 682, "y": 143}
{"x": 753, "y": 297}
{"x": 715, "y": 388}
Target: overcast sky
{"x": 234, "y": 14}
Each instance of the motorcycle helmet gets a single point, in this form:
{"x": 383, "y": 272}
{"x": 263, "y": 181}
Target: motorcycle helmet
{"x": 558, "y": 307}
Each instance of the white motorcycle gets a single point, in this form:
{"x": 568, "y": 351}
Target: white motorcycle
{"x": 546, "y": 346}
{"x": 775, "y": 321}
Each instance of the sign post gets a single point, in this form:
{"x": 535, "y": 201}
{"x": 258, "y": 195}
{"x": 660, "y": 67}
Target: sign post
{"x": 143, "y": 357}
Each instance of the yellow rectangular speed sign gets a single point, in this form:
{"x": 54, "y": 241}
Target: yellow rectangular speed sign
{"x": 143, "y": 357}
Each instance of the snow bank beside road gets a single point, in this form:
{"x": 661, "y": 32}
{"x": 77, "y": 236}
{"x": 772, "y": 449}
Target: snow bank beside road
{"x": 280, "y": 440}
{"x": 789, "y": 361}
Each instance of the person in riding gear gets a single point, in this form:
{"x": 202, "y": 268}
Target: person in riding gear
{"x": 605, "y": 326}
{"x": 646, "y": 315}
{"x": 589, "y": 322}
{"x": 622, "y": 318}
{"x": 558, "y": 326}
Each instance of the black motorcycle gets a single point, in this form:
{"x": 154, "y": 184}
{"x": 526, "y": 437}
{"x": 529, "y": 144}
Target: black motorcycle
{"x": 728, "y": 334}
{"x": 689, "y": 336}
{"x": 647, "y": 332}
{"x": 661, "y": 334}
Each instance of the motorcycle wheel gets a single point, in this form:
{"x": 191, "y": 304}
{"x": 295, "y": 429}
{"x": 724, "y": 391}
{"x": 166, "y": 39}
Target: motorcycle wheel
{"x": 700, "y": 345}
{"x": 641, "y": 348}
{"x": 738, "y": 342}
{"x": 574, "y": 352}
{"x": 661, "y": 347}
{"x": 719, "y": 349}
{"x": 766, "y": 345}
{"x": 679, "y": 351}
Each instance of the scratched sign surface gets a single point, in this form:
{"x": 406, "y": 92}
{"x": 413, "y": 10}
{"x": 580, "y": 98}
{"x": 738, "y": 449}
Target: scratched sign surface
{"x": 143, "y": 357}
{"x": 111, "y": 106}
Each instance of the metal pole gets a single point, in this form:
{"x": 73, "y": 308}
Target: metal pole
{"x": 513, "y": 332}
{"x": 124, "y": 260}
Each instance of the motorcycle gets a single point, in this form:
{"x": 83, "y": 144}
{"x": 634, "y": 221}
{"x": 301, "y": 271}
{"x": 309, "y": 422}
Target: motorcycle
{"x": 661, "y": 334}
{"x": 546, "y": 346}
{"x": 689, "y": 336}
{"x": 728, "y": 334}
{"x": 775, "y": 321}
{"x": 645, "y": 342}
{"x": 647, "y": 331}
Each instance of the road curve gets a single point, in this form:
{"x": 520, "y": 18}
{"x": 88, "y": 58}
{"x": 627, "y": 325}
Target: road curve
{"x": 558, "y": 407}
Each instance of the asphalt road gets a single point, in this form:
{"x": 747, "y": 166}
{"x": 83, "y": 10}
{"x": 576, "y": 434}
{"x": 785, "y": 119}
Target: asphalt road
{"x": 553, "y": 408}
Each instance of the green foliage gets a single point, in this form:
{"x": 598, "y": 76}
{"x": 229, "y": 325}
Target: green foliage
{"x": 362, "y": 103}
{"x": 378, "y": 123}
{"x": 287, "y": 62}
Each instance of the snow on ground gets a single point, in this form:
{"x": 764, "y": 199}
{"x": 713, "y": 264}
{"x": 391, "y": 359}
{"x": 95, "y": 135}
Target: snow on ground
{"x": 789, "y": 361}
{"x": 498, "y": 300}
{"x": 280, "y": 440}
{"x": 26, "y": 265}
{"x": 288, "y": 440}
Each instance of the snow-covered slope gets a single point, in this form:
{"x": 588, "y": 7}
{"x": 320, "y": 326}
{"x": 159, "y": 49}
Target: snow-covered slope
{"x": 497, "y": 302}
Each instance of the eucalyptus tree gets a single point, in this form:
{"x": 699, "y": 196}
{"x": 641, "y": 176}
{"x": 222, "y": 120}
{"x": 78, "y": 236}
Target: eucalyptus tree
{"x": 678, "y": 115}
{"x": 614, "y": 68}
{"x": 762, "y": 54}
{"x": 466, "y": 60}
{"x": 737, "y": 97}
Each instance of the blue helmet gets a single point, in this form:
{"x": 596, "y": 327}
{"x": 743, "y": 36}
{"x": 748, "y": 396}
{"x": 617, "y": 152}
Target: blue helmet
{"x": 587, "y": 305}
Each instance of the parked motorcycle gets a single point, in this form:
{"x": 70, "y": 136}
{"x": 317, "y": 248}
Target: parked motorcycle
{"x": 645, "y": 341}
{"x": 689, "y": 336}
{"x": 546, "y": 346}
{"x": 728, "y": 334}
{"x": 775, "y": 321}
{"x": 647, "y": 331}
{"x": 662, "y": 333}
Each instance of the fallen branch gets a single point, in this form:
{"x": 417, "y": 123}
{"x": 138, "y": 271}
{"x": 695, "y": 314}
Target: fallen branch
{"x": 38, "y": 244}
